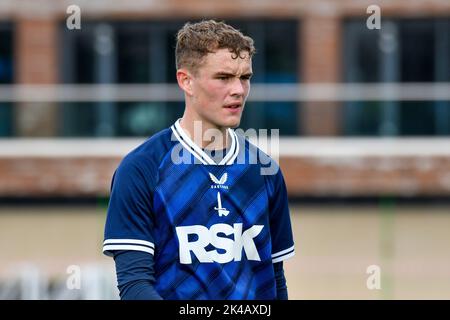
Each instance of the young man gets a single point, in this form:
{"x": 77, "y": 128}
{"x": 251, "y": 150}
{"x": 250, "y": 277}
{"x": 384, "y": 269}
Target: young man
{"x": 190, "y": 215}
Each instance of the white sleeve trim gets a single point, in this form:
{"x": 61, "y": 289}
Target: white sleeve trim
{"x": 109, "y": 248}
{"x": 111, "y": 245}
{"x": 283, "y": 255}
{"x": 287, "y": 256}
{"x": 133, "y": 241}
{"x": 279, "y": 253}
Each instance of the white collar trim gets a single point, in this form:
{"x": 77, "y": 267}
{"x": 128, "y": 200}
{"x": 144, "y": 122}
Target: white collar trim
{"x": 201, "y": 155}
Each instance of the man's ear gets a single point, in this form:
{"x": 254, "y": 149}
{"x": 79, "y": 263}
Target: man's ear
{"x": 184, "y": 79}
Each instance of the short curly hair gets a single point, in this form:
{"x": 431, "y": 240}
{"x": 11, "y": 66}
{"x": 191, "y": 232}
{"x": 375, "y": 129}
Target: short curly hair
{"x": 196, "y": 40}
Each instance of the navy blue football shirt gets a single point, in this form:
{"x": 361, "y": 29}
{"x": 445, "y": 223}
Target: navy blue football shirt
{"x": 214, "y": 229}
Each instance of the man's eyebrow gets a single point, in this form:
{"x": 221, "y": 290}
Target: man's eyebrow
{"x": 224, "y": 73}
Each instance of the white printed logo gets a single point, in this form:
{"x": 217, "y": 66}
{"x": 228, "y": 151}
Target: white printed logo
{"x": 219, "y": 184}
{"x": 243, "y": 241}
{"x": 222, "y": 211}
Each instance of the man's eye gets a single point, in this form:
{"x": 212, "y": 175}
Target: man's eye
{"x": 223, "y": 78}
{"x": 245, "y": 78}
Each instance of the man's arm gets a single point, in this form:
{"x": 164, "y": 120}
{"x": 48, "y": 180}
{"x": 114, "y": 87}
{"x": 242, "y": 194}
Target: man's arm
{"x": 280, "y": 229}
{"x": 280, "y": 280}
{"x": 135, "y": 275}
{"x": 129, "y": 228}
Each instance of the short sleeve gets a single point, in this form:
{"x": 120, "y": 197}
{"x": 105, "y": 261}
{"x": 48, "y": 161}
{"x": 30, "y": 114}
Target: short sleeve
{"x": 280, "y": 221}
{"x": 129, "y": 221}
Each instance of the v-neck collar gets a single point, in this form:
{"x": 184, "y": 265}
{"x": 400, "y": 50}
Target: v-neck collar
{"x": 201, "y": 155}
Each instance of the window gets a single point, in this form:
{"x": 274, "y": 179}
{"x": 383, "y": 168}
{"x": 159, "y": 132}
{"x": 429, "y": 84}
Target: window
{"x": 143, "y": 52}
{"x": 276, "y": 61}
{"x": 6, "y": 77}
{"x": 406, "y": 50}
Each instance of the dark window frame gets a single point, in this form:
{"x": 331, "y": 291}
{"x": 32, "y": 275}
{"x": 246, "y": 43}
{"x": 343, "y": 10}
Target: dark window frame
{"x": 396, "y": 118}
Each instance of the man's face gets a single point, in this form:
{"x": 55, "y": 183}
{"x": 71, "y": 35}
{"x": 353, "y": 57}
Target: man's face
{"x": 220, "y": 88}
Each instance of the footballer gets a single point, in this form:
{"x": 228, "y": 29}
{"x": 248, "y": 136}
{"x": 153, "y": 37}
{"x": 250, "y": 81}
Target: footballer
{"x": 190, "y": 216}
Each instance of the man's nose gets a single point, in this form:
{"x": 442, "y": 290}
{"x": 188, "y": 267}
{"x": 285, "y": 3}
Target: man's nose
{"x": 237, "y": 88}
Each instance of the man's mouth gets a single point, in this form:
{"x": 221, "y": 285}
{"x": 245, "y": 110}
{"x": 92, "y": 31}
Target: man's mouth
{"x": 233, "y": 106}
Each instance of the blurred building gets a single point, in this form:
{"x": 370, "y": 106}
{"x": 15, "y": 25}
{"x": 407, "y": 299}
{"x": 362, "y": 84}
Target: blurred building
{"x": 362, "y": 113}
{"x": 328, "y": 148}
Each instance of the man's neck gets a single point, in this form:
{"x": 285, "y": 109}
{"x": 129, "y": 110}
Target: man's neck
{"x": 204, "y": 134}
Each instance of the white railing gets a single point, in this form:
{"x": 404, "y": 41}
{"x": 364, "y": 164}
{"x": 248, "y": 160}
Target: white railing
{"x": 288, "y": 146}
{"x": 436, "y": 91}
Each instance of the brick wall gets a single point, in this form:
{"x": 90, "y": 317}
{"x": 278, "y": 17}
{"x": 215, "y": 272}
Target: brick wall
{"x": 36, "y": 62}
{"x": 367, "y": 176}
{"x": 80, "y": 177}
{"x": 305, "y": 176}
{"x": 320, "y": 59}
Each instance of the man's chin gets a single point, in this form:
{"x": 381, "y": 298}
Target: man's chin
{"x": 226, "y": 122}
{"x": 232, "y": 123}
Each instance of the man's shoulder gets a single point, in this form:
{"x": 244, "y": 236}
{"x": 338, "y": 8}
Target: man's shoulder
{"x": 254, "y": 153}
{"x": 249, "y": 142}
{"x": 151, "y": 151}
